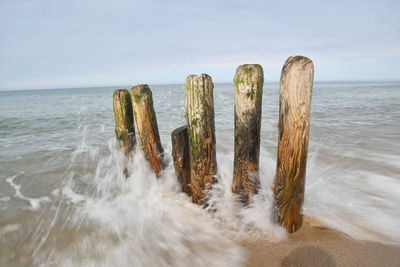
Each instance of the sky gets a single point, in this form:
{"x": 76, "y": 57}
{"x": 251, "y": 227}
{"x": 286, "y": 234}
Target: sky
{"x": 88, "y": 43}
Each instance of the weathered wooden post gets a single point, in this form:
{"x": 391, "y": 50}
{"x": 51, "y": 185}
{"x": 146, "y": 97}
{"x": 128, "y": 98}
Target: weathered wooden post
{"x": 249, "y": 80}
{"x": 146, "y": 127}
{"x": 124, "y": 125}
{"x": 180, "y": 155}
{"x": 200, "y": 121}
{"x": 294, "y": 124}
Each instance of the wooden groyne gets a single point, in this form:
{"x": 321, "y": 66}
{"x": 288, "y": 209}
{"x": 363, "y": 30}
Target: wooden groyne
{"x": 181, "y": 157}
{"x": 146, "y": 127}
{"x": 294, "y": 124}
{"x": 123, "y": 115}
{"x": 201, "y": 129}
{"x": 194, "y": 144}
{"x": 249, "y": 81}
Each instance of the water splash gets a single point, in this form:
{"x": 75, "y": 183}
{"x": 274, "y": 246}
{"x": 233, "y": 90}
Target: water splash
{"x": 139, "y": 220}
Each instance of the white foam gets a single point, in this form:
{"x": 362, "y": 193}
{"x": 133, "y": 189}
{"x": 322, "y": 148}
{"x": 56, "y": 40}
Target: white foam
{"x": 145, "y": 221}
{"x": 5, "y": 198}
{"x": 253, "y": 221}
{"x": 8, "y": 228}
{"x": 34, "y": 202}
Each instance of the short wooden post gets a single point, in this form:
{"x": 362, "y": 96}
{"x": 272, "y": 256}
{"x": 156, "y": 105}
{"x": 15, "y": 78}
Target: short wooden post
{"x": 249, "y": 80}
{"x": 200, "y": 121}
{"x": 124, "y": 128}
{"x": 146, "y": 126}
{"x": 180, "y": 155}
{"x": 294, "y": 124}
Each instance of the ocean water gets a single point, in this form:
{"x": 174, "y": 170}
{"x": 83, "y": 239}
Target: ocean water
{"x": 65, "y": 202}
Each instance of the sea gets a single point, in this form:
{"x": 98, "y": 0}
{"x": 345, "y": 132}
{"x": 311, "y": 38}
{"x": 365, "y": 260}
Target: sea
{"x": 64, "y": 199}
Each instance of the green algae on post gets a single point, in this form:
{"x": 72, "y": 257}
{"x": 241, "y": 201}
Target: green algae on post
{"x": 124, "y": 121}
{"x": 201, "y": 128}
{"x": 147, "y": 128}
{"x": 294, "y": 124}
{"x": 249, "y": 80}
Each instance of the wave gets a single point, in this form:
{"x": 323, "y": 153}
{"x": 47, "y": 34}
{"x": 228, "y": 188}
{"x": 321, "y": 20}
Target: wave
{"x": 145, "y": 221}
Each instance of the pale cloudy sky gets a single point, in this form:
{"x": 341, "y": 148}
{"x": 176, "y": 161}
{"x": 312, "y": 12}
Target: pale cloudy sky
{"x": 74, "y": 43}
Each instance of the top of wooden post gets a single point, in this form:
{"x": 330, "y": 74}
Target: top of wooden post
{"x": 249, "y": 81}
{"x": 139, "y": 91}
{"x": 249, "y": 74}
{"x": 295, "y": 65}
{"x": 202, "y": 81}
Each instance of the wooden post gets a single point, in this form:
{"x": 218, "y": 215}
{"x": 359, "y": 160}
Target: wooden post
{"x": 249, "y": 80}
{"x": 294, "y": 124}
{"x": 180, "y": 155}
{"x": 124, "y": 129}
{"x": 146, "y": 127}
{"x": 200, "y": 121}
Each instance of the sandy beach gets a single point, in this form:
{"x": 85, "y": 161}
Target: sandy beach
{"x": 315, "y": 245}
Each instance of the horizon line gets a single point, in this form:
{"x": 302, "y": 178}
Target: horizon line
{"x": 120, "y": 86}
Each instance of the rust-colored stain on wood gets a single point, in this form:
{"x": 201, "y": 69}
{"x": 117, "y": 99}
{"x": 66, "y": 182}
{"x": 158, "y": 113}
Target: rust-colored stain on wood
{"x": 294, "y": 124}
{"x": 146, "y": 127}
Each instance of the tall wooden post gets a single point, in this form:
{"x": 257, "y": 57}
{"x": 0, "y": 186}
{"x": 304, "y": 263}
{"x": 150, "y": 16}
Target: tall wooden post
{"x": 124, "y": 129}
{"x": 249, "y": 80}
{"x": 146, "y": 126}
{"x": 200, "y": 121}
{"x": 294, "y": 124}
{"x": 180, "y": 155}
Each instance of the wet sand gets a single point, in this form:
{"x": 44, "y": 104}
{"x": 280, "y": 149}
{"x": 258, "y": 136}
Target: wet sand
{"x": 315, "y": 245}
